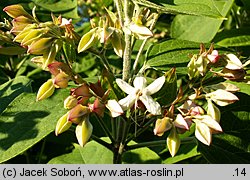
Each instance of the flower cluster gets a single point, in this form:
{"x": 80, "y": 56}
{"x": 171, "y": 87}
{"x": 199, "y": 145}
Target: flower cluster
{"x": 42, "y": 39}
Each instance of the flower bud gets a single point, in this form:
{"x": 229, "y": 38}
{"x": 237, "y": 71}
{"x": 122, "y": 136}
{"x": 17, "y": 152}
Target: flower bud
{"x": 56, "y": 67}
{"x": 40, "y": 46}
{"x": 203, "y": 133}
{"x": 16, "y": 10}
{"x": 162, "y": 125}
{"x": 87, "y": 40}
{"x": 223, "y": 85}
{"x": 118, "y": 43}
{"x": 38, "y": 60}
{"x": 105, "y": 34}
{"x": 201, "y": 64}
{"x": 213, "y": 57}
{"x": 62, "y": 124}
{"x": 180, "y": 122}
{"x": 46, "y": 90}
{"x": 24, "y": 32}
{"x": 98, "y": 107}
{"x": 197, "y": 110}
{"x": 61, "y": 80}
{"x": 222, "y": 97}
{"x": 142, "y": 32}
{"x": 82, "y": 90}
{"x": 32, "y": 36}
{"x": 233, "y": 75}
{"x": 173, "y": 142}
{"x": 84, "y": 131}
{"x": 192, "y": 69}
{"x": 213, "y": 111}
{"x": 77, "y": 113}
{"x": 233, "y": 62}
{"x": 50, "y": 55}
{"x": 70, "y": 102}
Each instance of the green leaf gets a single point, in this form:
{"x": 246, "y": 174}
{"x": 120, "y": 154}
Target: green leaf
{"x": 25, "y": 122}
{"x": 199, "y": 29}
{"x": 12, "y": 50}
{"x": 140, "y": 156}
{"x": 84, "y": 63}
{"x": 186, "y": 151}
{"x": 234, "y": 37}
{"x": 55, "y": 5}
{"x": 169, "y": 89}
{"x": 190, "y": 7}
{"x": 172, "y": 53}
{"x": 13, "y": 88}
{"x": 91, "y": 153}
{"x": 232, "y": 146}
{"x": 175, "y": 53}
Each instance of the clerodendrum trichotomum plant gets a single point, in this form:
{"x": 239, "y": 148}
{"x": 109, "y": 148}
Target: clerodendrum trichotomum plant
{"x": 177, "y": 110}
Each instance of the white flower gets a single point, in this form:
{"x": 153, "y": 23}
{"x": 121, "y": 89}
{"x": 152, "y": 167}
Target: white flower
{"x": 141, "y": 92}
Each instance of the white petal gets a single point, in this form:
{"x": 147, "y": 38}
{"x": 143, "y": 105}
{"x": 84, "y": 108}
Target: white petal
{"x": 203, "y": 133}
{"x": 127, "y": 102}
{"x": 155, "y": 86}
{"x": 152, "y": 106}
{"x": 114, "y": 108}
{"x": 234, "y": 62}
{"x": 140, "y": 29}
{"x": 125, "y": 86}
{"x": 140, "y": 82}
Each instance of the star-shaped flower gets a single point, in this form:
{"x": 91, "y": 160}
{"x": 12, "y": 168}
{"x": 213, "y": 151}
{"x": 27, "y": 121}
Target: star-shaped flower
{"x": 141, "y": 92}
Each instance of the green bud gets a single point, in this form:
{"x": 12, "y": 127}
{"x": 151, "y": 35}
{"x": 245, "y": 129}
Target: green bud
{"x": 201, "y": 64}
{"x": 16, "y": 10}
{"x": 46, "y": 90}
{"x": 23, "y": 19}
{"x": 70, "y": 102}
{"x": 32, "y": 36}
{"x": 40, "y": 46}
{"x": 173, "y": 142}
{"x": 162, "y": 125}
{"x": 213, "y": 111}
{"x": 38, "y": 60}
{"x": 84, "y": 131}
{"x": 118, "y": 43}
{"x": 50, "y": 55}
{"x": 24, "y": 32}
{"x": 62, "y": 124}
{"x": 203, "y": 133}
{"x": 192, "y": 69}
{"x": 87, "y": 40}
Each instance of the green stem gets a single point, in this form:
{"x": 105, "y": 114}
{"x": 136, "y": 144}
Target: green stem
{"x": 140, "y": 131}
{"x": 97, "y": 139}
{"x": 41, "y": 152}
{"x": 128, "y": 48}
{"x": 186, "y": 140}
{"x": 105, "y": 128}
{"x": 118, "y": 4}
{"x": 103, "y": 58}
